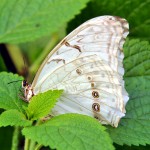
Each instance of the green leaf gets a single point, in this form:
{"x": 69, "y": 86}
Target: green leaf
{"x": 13, "y": 118}
{"x": 137, "y": 58}
{"x": 22, "y": 21}
{"x": 71, "y": 131}
{"x": 41, "y": 104}
{"x": 134, "y": 128}
{"x": 9, "y": 91}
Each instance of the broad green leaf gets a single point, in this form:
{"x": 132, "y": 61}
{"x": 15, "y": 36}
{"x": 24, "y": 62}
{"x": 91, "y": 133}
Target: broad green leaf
{"x": 24, "y": 20}
{"x": 134, "y": 128}
{"x": 10, "y": 85}
{"x": 137, "y": 58}
{"x": 41, "y": 104}
{"x": 71, "y": 131}
{"x": 13, "y": 118}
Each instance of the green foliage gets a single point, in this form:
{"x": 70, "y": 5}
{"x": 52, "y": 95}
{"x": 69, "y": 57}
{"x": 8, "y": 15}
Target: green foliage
{"x": 71, "y": 131}
{"x": 9, "y": 90}
{"x": 22, "y": 21}
{"x": 137, "y": 58}
{"x": 41, "y": 105}
{"x": 134, "y": 128}
{"x": 13, "y": 117}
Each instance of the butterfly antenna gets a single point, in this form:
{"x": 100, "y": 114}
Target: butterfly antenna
{"x": 25, "y": 68}
{"x": 13, "y": 81}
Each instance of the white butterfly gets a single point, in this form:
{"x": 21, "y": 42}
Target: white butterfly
{"x": 87, "y": 65}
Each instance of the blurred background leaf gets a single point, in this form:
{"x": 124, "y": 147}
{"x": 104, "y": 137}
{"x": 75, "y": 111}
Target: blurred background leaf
{"x": 23, "y": 21}
{"x": 5, "y": 141}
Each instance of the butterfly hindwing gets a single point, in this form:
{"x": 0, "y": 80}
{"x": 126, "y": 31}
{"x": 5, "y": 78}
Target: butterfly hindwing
{"x": 87, "y": 65}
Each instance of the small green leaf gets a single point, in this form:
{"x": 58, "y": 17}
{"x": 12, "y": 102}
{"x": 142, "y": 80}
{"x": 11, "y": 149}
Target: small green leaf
{"x": 41, "y": 104}
{"x": 71, "y": 131}
{"x": 134, "y": 128}
{"x": 13, "y": 118}
{"x": 29, "y": 20}
{"x": 9, "y": 92}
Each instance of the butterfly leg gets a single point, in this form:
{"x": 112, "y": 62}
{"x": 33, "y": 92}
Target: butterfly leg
{"x": 47, "y": 118}
{"x": 23, "y": 98}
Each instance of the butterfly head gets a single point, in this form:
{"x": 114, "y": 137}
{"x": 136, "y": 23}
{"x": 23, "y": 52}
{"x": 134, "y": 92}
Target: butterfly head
{"x": 24, "y": 83}
{"x": 28, "y": 91}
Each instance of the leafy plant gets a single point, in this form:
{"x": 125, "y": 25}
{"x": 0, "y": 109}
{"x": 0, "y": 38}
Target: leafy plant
{"x": 22, "y": 22}
{"x": 65, "y": 131}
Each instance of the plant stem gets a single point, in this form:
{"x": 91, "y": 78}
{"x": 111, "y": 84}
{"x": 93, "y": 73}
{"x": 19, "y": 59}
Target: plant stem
{"x": 32, "y": 145}
{"x": 27, "y": 142}
{"x": 38, "y": 146}
{"x": 15, "y": 139}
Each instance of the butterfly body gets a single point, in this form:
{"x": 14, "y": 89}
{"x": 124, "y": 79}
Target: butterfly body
{"x": 87, "y": 65}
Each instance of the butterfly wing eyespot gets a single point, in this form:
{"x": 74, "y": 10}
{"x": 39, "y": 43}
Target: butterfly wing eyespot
{"x": 92, "y": 85}
{"x": 95, "y": 94}
{"x": 79, "y": 72}
{"x": 96, "y": 107}
{"x": 89, "y": 56}
{"x": 89, "y": 78}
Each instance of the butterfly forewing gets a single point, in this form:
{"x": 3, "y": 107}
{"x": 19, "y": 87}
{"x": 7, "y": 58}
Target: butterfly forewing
{"x": 87, "y": 65}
